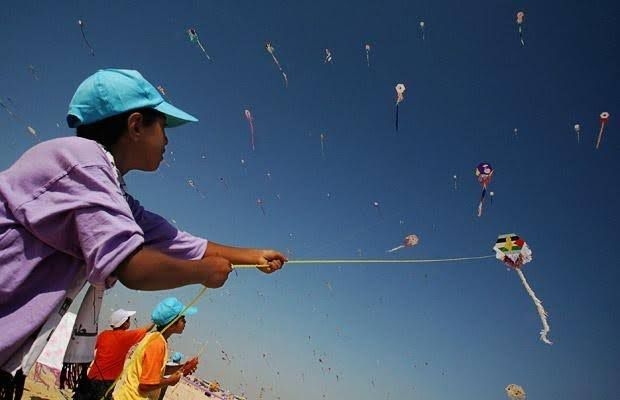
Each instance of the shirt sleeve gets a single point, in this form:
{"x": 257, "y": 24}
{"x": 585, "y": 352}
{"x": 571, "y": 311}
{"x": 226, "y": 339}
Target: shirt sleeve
{"x": 152, "y": 362}
{"x": 165, "y": 237}
{"x": 135, "y": 335}
{"x": 84, "y": 214}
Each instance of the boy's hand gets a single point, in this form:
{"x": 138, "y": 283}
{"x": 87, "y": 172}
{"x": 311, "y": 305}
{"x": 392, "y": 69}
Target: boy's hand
{"x": 271, "y": 261}
{"x": 217, "y": 270}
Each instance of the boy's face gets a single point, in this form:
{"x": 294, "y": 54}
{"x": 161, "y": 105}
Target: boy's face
{"x": 153, "y": 143}
{"x": 179, "y": 326}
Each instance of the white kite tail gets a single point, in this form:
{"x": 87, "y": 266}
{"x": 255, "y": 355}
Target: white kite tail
{"x": 600, "y": 135}
{"x": 541, "y": 310}
{"x": 395, "y": 249}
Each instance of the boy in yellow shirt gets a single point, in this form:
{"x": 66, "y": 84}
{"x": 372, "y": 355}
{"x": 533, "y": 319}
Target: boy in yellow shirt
{"x": 145, "y": 367}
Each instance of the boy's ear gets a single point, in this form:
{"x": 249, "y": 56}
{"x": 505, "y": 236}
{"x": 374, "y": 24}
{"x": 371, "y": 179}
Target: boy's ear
{"x": 134, "y": 125}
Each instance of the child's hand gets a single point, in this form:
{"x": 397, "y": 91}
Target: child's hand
{"x": 271, "y": 261}
{"x": 217, "y": 270}
{"x": 174, "y": 378}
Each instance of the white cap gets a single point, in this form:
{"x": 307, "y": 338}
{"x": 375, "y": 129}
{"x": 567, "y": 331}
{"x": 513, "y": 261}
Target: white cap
{"x": 119, "y": 317}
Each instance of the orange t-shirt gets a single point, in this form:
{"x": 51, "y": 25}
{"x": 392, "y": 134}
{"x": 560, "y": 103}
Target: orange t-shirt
{"x": 153, "y": 361}
{"x": 110, "y": 351}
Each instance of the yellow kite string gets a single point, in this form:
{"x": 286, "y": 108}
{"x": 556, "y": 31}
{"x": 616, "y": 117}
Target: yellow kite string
{"x": 370, "y": 261}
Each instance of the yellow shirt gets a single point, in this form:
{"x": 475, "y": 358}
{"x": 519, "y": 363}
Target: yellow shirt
{"x": 145, "y": 363}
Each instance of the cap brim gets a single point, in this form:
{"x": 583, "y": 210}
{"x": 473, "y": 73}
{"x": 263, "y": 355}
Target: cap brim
{"x": 190, "y": 311}
{"x": 174, "y": 116}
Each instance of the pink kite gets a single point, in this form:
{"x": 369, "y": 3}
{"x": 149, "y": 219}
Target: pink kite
{"x": 248, "y": 116}
{"x": 408, "y": 241}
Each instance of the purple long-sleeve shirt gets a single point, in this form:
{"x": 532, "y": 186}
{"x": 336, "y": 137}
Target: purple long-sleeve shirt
{"x": 63, "y": 217}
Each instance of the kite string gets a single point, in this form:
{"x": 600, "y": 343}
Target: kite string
{"x": 541, "y": 311}
{"x": 370, "y": 261}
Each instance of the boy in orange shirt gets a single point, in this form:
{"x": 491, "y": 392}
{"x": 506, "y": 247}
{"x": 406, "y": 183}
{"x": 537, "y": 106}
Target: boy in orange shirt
{"x": 110, "y": 351}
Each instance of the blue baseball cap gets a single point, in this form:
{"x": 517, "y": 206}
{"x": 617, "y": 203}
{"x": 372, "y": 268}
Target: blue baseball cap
{"x": 176, "y": 357}
{"x": 168, "y": 309}
{"x": 109, "y": 92}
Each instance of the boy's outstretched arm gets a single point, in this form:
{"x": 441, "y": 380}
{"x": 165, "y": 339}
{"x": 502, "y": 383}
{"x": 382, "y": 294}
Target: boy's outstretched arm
{"x": 150, "y": 269}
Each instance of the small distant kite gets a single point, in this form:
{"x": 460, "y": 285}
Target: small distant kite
{"x": 33, "y": 71}
{"x": 515, "y": 392}
{"x": 193, "y": 185}
{"x": 328, "y": 57}
{"x": 260, "y": 203}
{"x": 422, "y": 29}
{"x": 400, "y": 96}
{"x": 82, "y": 24}
{"x": 248, "y": 116}
{"x": 577, "y": 128}
{"x": 455, "y": 178}
{"x": 322, "y": 136}
{"x": 520, "y": 16}
{"x": 272, "y": 51}
{"x": 367, "y": 48}
{"x": 604, "y": 118}
{"x": 376, "y": 205}
{"x": 193, "y": 37}
{"x": 514, "y": 252}
{"x": 408, "y": 241}
{"x": 484, "y": 173}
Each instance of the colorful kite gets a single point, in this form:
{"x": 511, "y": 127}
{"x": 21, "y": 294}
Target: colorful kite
{"x": 604, "y": 118}
{"x": 248, "y": 116}
{"x": 82, "y": 24}
{"x": 520, "y": 16}
{"x": 514, "y": 252}
{"x": 577, "y": 131}
{"x": 422, "y": 29}
{"x": 367, "y": 47}
{"x": 408, "y": 241}
{"x": 484, "y": 173}
{"x": 272, "y": 51}
{"x": 400, "y": 96}
{"x": 515, "y": 392}
{"x": 328, "y": 56}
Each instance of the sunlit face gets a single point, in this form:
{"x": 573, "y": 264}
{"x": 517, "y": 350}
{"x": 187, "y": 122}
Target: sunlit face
{"x": 179, "y": 326}
{"x": 153, "y": 141}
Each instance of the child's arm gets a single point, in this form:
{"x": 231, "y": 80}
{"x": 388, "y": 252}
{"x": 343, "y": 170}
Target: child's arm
{"x": 267, "y": 260}
{"x": 150, "y": 269}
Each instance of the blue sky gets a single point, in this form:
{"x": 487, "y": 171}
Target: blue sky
{"x": 421, "y": 331}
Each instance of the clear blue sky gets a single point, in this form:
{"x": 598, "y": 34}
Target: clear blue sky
{"x": 420, "y": 331}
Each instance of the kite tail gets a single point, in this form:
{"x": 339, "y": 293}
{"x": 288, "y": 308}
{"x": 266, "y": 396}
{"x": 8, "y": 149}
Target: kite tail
{"x": 521, "y": 36}
{"x": 484, "y": 192}
{"x": 203, "y": 50}
{"x": 397, "y": 117}
{"x": 395, "y": 248}
{"x": 541, "y": 311}
{"x": 600, "y": 135}
{"x": 92, "y": 51}
{"x": 285, "y": 79}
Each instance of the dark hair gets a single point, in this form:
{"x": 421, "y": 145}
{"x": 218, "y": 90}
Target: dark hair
{"x": 107, "y": 131}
